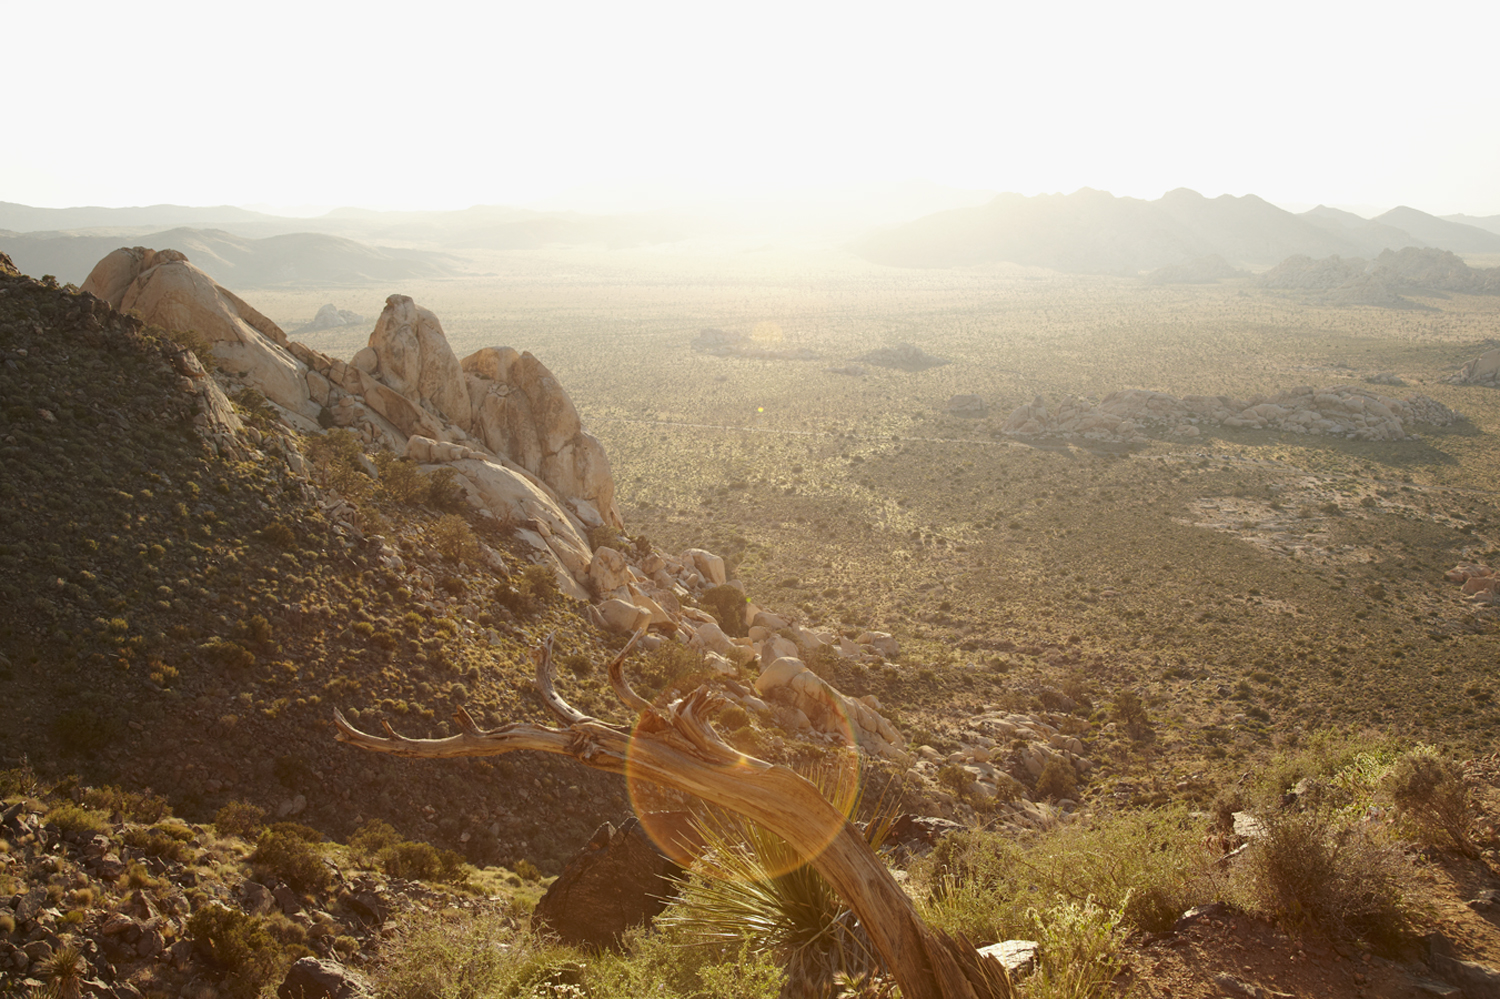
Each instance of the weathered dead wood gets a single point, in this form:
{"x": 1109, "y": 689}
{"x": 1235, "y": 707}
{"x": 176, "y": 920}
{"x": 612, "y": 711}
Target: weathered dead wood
{"x": 677, "y": 747}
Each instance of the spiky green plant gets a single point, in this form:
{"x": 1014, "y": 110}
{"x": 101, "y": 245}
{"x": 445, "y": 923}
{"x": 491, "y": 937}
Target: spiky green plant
{"x": 749, "y": 887}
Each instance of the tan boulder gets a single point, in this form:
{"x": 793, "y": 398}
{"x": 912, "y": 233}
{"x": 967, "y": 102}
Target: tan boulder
{"x": 514, "y": 498}
{"x": 520, "y": 411}
{"x": 166, "y": 290}
{"x": 709, "y": 565}
{"x": 780, "y": 673}
{"x": 608, "y": 571}
{"x": 622, "y": 616}
{"x": 413, "y": 357}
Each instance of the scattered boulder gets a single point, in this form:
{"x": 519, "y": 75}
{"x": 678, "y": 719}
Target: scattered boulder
{"x": 618, "y": 880}
{"x": 310, "y": 978}
{"x": 1018, "y": 957}
{"x": 967, "y": 406}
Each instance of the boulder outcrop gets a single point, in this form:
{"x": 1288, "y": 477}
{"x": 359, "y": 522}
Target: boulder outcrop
{"x": 1482, "y": 370}
{"x": 519, "y": 410}
{"x": 504, "y": 425}
{"x": 165, "y": 289}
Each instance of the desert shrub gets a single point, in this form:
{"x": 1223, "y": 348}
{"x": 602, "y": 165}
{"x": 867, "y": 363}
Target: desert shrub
{"x": 78, "y": 821}
{"x": 1433, "y": 795}
{"x": 1129, "y": 710}
{"x": 289, "y": 852}
{"x": 955, "y": 779}
{"x": 279, "y": 534}
{"x": 668, "y": 666}
{"x": 242, "y": 946}
{"x": 1057, "y": 780}
{"x": 227, "y": 653}
{"x": 422, "y": 862}
{"x": 1308, "y": 871}
{"x": 1079, "y": 950}
{"x": 727, "y": 604}
{"x": 160, "y": 841}
{"x": 605, "y": 536}
{"x": 338, "y": 455}
{"x": 136, "y": 806}
{"x": 369, "y": 839}
{"x": 444, "y": 490}
{"x": 240, "y": 818}
{"x": 378, "y": 844}
{"x": 527, "y": 591}
{"x": 1148, "y": 865}
{"x": 401, "y": 479}
{"x": 454, "y": 539}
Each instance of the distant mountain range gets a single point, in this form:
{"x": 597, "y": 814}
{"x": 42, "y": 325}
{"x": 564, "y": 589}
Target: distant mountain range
{"x": 1095, "y": 232}
{"x": 243, "y": 248}
{"x": 1085, "y": 232}
{"x": 292, "y": 258}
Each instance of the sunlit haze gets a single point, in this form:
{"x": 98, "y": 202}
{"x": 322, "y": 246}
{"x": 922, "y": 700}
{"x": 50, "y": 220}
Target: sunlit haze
{"x": 611, "y": 107}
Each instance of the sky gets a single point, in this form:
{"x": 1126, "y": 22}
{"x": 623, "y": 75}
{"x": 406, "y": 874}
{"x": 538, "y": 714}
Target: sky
{"x": 441, "y": 105}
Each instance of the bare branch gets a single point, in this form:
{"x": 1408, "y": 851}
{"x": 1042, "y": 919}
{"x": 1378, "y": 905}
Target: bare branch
{"x": 628, "y": 697}
{"x": 678, "y": 748}
{"x": 545, "y": 678}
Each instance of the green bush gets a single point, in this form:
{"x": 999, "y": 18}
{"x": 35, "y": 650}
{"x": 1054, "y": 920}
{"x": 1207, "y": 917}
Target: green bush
{"x": 227, "y": 653}
{"x": 527, "y": 591}
{"x": 1433, "y": 795}
{"x": 240, "y": 818}
{"x": 727, "y": 604}
{"x": 289, "y": 852}
{"x": 136, "y": 806}
{"x": 1079, "y": 946}
{"x": 401, "y": 479}
{"x": 243, "y": 947}
{"x": 79, "y": 821}
{"x": 1309, "y": 871}
{"x": 1058, "y": 779}
{"x": 377, "y": 844}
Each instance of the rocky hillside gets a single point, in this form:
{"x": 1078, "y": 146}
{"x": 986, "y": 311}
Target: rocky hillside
{"x": 193, "y": 585}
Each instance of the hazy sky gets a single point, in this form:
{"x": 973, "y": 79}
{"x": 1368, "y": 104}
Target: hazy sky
{"x": 444, "y": 105}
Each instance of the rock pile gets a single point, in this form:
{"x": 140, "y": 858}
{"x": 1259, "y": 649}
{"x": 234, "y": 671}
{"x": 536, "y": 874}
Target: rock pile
{"x": 1340, "y": 411}
{"x": 1482, "y": 370}
{"x": 906, "y": 357}
{"x": 331, "y": 317}
{"x": 1002, "y": 753}
{"x": 1481, "y": 584}
{"x": 967, "y": 406}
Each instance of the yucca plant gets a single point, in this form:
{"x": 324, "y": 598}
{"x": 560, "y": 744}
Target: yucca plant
{"x": 749, "y": 886}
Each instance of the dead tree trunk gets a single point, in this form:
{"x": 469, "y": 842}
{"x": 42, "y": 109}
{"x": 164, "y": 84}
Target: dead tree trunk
{"x": 676, "y": 747}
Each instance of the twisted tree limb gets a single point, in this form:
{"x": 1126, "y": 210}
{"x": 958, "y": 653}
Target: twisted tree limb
{"x": 677, "y": 747}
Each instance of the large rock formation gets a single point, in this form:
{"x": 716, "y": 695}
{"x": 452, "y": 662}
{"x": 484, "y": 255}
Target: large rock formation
{"x": 164, "y": 289}
{"x": 519, "y": 410}
{"x": 501, "y": 420}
